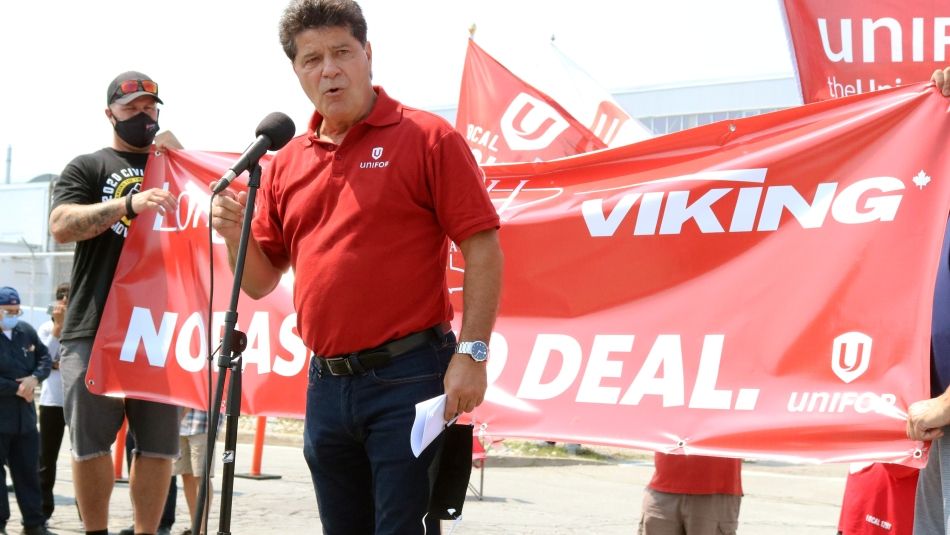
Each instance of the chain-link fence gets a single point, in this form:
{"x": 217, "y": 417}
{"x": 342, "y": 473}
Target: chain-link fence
{"x": 35, "y": 276}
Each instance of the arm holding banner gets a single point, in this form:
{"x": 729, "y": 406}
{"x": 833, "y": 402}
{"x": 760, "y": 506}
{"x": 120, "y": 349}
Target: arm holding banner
{"x": 466, "y": 380}
{"x": 227, "y": 217}
{"x": 80, "y": 222}
{"x": 926, "y": 418}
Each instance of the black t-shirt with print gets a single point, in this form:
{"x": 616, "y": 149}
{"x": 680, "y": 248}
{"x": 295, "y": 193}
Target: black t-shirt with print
{"x": 89, "y": 179}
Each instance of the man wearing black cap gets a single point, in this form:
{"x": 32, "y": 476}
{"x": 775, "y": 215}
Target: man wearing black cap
{"x": 24, "y": 362}
{"x": 94, "y": 203}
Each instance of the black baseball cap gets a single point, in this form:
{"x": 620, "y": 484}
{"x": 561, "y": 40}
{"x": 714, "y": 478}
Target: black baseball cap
{"x": 129, "y": 86}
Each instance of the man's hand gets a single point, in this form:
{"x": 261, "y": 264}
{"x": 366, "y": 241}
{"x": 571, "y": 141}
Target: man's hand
{"x": 59, "y": 312}
{"x": 166, "y": 140}
{"x": 926, "y": 418}
{"x": 465, "y": 385}
{"x": 941, "y": 77}
{"x": 154, "y": 199}
{"x": 227, "y": 214}
{"x": 27, "y": 387}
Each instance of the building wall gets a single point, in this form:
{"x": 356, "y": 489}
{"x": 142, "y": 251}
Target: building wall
{"x": 28, "y": 260}
{"x": 670, "y": 108}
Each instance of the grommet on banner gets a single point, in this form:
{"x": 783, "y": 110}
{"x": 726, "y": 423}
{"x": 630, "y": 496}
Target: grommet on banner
{"x": 732, "y": 127}
{"x": 680, "y": 443}
{"x": 918, "y": 453}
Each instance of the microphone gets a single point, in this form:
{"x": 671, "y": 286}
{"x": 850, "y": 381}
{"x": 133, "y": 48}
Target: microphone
{"x": 272, "y": 134}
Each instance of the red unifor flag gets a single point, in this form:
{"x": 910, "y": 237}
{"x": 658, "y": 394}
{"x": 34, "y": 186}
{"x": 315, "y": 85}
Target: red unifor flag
{"x": 546, "y": 68}
{"x": 506, "y": 120}
{"x": 847, "y": 47}
{"x": 757, "y": 288}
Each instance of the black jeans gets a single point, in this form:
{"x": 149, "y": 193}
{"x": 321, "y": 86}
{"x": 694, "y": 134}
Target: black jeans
{"x": 356, "y": 443}
{"x": 52, "y": 428}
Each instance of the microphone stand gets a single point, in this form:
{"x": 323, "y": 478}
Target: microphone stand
{"x": 233, "y": 345}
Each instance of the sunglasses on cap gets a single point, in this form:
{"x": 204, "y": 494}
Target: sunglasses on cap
{"x": 131, "y": 86}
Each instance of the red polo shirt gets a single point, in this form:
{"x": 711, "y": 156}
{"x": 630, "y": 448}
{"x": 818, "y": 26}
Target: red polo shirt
{"x": 365, "y": 224}
{"x": 879, "y": 500}
{"x": 696, "y": 474}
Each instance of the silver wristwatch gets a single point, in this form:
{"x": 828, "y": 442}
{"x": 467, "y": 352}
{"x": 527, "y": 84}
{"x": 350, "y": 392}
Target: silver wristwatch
{"x": 478, "y": 350}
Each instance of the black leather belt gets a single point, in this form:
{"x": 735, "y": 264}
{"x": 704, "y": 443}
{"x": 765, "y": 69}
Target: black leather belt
{"x": 359, "y": 362}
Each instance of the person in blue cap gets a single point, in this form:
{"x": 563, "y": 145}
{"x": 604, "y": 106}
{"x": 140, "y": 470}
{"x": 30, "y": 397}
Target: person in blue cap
{"x": 24, "y": 363}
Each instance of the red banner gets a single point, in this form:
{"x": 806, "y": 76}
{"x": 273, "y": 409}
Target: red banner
{"x": 758, "y": 288}
{"x": 506, "y": 120}
{"x": 849, "y": 47}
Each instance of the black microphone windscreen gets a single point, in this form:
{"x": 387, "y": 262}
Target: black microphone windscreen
{"x": 278, "y": 127}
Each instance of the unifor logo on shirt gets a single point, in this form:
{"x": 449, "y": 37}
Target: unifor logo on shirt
{"x": 376, "y": 154}
{"x": 116, "y": 186}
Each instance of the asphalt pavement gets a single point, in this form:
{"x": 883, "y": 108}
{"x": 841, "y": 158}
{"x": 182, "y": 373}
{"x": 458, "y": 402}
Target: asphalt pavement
{"x": 525, "y": 492}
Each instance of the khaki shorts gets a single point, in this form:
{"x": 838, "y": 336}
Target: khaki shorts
{"x": 194, "y": 449}
{"x": 696, "y": 514}
{"x": 95, "y": 420}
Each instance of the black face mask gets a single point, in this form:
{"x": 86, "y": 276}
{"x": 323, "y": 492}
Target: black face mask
{"x": 138, "y": 131}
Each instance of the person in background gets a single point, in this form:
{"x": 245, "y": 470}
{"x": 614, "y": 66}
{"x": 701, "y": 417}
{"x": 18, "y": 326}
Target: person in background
{"x": 928, "y": 418}
{"x": 193, "y": 442}
{"x": 878, "y": 498}
{"x": 95, "y": 201}
{"x": 692, "y": 495}
{"x": 24, "y": 363}
{"x": 52, "y": 421}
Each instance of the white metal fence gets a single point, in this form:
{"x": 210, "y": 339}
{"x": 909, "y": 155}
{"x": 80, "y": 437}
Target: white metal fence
{"x": 35, "y": 276}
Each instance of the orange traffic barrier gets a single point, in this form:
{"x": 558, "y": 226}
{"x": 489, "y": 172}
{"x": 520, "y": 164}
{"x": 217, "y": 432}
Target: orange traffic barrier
{"x": 259, "y": 431}
{"x": 118, "y": 456}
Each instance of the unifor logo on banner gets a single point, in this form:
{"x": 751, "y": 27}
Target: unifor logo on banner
{"x": 531, "y": 124}
{"x": 851, "y": 355}
{"x": 850, "y": 358}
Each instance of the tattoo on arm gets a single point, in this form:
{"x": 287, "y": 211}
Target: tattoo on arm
{"x": 80, "y": 222}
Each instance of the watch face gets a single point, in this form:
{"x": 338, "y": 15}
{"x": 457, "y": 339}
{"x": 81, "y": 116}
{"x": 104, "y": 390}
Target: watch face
{"x": 479, "y": 351}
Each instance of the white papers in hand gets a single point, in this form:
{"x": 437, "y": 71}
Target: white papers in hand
{"x": 428, "y": 424}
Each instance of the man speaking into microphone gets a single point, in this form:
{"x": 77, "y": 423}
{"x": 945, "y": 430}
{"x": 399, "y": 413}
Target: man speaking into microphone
{"x": 361, "y": 207}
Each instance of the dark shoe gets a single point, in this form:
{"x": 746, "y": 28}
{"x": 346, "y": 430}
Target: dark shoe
{"x": 127, "y": 531}
{"x": 37, "y": 530}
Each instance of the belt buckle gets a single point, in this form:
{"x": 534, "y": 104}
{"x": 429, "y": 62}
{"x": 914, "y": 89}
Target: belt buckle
{"x": 331, "y": 366}
{"x": 346, "y": 361}
{"x": 349, "y": 365}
